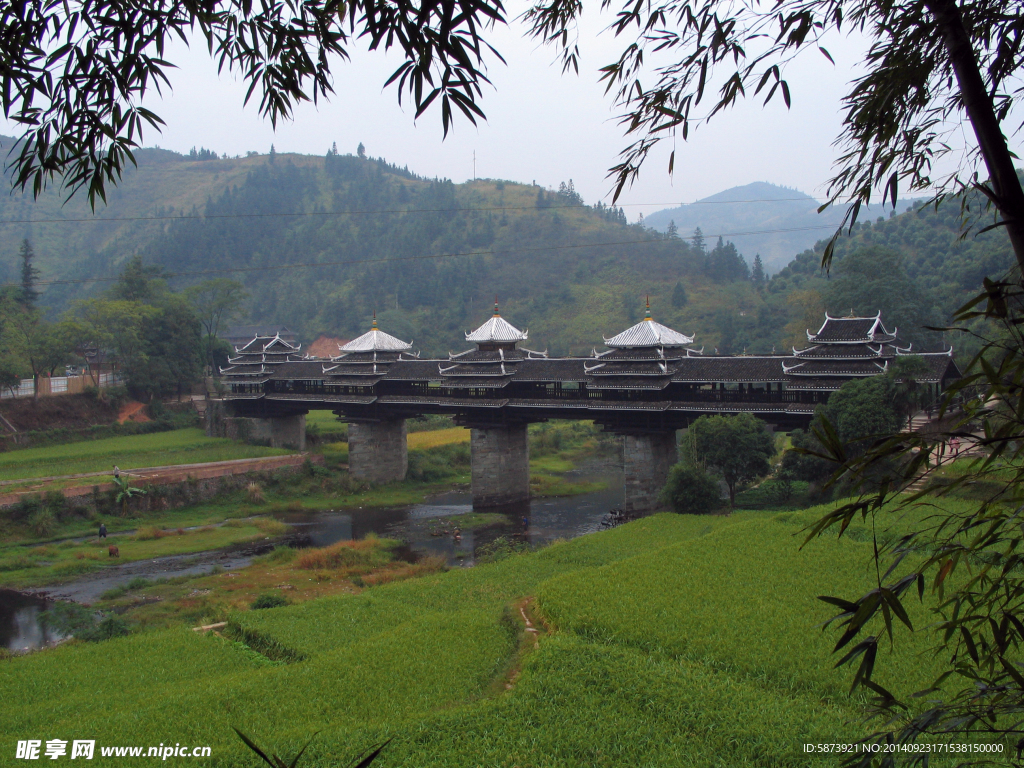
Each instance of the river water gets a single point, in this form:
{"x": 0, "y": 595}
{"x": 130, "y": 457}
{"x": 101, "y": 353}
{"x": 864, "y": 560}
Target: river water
{"x": 427, "y": 529}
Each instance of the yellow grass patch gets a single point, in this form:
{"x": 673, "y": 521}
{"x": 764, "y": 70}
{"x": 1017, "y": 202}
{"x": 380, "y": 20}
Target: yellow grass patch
{"x": 346, "y": 554}
{"x": 424, "y": 440}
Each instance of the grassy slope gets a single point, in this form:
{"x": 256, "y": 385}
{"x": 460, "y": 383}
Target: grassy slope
{"x": 183, "y": 446}
{"x": 680, "y": 641}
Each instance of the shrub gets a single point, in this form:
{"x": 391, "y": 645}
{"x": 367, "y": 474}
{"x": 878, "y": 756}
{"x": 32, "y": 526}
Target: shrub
{"x": 151, "y": 532}
{"x": 271, "y": 527}
{"x": 110, "y": 627}
{"x": 691, "y": 491}
{"x": 43, "y": 522}
{"x": 369, "y": 552}
{"x": 279, "y": 555}
{"x": 25, "y": 508}
{"x": 15, "y": 563}
{"x": 438, "y": 463}
{"x": 79, "y": 621}
{"x": 268, "y": 601}
{"x": 499, "y": 549}
{"x": 139, "y": 582}
{"x": 254, "y": 493}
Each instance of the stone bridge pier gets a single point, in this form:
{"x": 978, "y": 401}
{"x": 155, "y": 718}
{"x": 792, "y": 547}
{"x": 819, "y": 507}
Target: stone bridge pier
{"x": 647, "y": 459}
{"x": 378, "y": 450}
{"x": 282, "y": 431}
{"x": 501, "y": 465}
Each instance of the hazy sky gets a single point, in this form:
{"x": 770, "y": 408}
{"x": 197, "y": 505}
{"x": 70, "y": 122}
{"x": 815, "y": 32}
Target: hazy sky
{"x": 541, "y": 125}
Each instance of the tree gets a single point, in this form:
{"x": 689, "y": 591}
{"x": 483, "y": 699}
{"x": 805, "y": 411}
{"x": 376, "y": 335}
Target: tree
{"x": 44, "y": 346}
{"x": 673, "y": 230}
{"x": 679, "y": 297}
{"x": 138, "y": 282}
{"x": 736, "y": 447}
{"x": 29, "y": 275}
{"x": 361, "y": 150}
{"x": 172, "y": 345}
{"x": 114, "y": 328}
{"x": 698, "y": 241}
{"x": 691, "y": 491}
{"x": 216, "y": 302}
{"x": 757, "y": 276}
{"x": 76, "y": 73}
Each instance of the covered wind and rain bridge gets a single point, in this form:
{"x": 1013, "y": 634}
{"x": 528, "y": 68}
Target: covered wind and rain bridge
{"x": 648, "y": 383}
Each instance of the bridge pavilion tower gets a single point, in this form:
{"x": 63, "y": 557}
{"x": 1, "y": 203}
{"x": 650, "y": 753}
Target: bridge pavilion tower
{"x": 642, "y": 357}
{"x": 377, "y": 447}
{"x": 499, "y": 448}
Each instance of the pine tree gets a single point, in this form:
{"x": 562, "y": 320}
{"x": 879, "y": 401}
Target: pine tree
{"x": 29, "y": 275}
{"x": 361, "y": 150}
{"x": 673, "y": 230}
{"x": 757, "y": 275}
{"x": 698, "y": 240}
{"x": 273, "y": 153}
{"x": 679, "y": 297}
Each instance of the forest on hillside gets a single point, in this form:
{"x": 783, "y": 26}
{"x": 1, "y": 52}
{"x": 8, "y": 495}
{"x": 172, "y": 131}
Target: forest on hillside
{"x": 321, "y": 243}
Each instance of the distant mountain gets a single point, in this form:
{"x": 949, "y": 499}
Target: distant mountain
{"x": 760, "y": 218}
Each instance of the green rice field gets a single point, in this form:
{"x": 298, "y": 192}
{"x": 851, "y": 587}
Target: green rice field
{"x": 671, "y": 641}
{"x": 180, "y": 446}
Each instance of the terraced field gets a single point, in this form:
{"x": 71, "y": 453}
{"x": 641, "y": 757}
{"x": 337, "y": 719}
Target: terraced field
{"x": 671, "y": 641}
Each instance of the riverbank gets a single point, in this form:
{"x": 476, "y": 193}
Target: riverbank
{"x": 71, "y": 549}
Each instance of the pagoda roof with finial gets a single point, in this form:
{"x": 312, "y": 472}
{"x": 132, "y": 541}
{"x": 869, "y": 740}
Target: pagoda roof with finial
{"x": 375, "y": 340}
{"x": 648, "y": 333}
{"x": 496, "y": 329}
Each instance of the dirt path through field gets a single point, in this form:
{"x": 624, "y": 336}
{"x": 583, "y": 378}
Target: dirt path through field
{"x": 529, "y": 641}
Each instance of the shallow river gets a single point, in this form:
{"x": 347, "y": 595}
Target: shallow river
{"x": 427, "y": 529}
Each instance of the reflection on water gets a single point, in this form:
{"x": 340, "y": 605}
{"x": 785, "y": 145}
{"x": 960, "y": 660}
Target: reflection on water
{"x": 20, "y": 626}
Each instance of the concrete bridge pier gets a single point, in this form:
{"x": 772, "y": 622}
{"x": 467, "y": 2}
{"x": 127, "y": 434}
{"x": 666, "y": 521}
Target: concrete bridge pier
{"x": 378, "y": 451}
{"x": 501, "y": 465}
{"x": 647, "y": 458}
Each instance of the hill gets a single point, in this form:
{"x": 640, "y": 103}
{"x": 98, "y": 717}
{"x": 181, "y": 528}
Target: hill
{"x": 780, "y": 221}
{"x": 323, "y": 242}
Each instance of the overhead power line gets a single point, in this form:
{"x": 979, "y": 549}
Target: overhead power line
{"x": 365, "y": 212}
{"x": 344, "y": 262}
